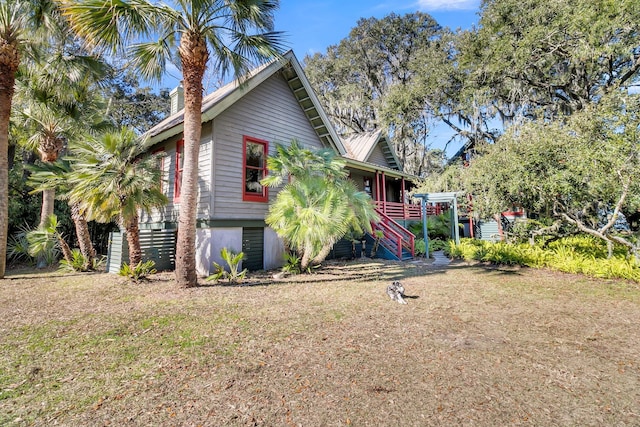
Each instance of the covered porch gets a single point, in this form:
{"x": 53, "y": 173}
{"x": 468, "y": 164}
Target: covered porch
{"x": 388, "y": 189}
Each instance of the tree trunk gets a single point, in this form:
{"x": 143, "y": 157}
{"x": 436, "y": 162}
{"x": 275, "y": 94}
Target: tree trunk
{"x": 194, "y": 55}
{"x": 48, "y": 201}
{"x": 304, "y": 262}
{"x": 66, "y": 250}
{"x": 9, "y": 62}
{"x": 83, "y": 235}
{"x": 324, "y": 252}
{"x": 133, "y": 240}
{"x": 49, "y": 150}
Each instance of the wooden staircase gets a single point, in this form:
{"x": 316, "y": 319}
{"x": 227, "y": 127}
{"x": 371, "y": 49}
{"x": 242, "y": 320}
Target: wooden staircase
{"x": 397, "y": 243}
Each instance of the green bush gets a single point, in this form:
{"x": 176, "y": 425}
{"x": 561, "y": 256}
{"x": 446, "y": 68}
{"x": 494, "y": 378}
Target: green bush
{"x": 138, "y": 272}
{"x": 80, "y": 263}
{"x": 420, "y": 247}
{"x": 438, "y": 227}
{"x": 437, "y": 245}
{"x": 291, "y": 263}
{"x": 233, "y": 262}
{"x": 575, "y": 254}
{"x": 18, "y": 246}
{"x": 434, "y": 245}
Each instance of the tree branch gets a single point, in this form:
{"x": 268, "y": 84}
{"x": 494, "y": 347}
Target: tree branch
{"x": 616, "y": 211}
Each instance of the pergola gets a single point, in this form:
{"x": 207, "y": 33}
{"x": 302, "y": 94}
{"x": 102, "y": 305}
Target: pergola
{"x": 450, "y": 197}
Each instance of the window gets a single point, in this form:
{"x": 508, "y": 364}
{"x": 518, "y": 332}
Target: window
{"x": 177, "y": 183}
{"x": 367, "y": 186}
{"x": 254, "y": 158}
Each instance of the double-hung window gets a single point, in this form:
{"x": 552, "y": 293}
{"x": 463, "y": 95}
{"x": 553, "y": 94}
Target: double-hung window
{"x": 254, "y": 159}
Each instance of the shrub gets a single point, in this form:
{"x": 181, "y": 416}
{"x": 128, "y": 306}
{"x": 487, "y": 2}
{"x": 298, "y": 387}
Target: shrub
{"x": 291, "y": 263}
{"x": 438, "y": 227}
{"x": 576, "y": 254}
{"x": 18, "y": 246}
{"x": 79, "y": 262}
{"x": 138, "y": 272}
{"x": 420, "y": 247}
{"x": 437, "y": 245}
{"x": 233, "y": 262}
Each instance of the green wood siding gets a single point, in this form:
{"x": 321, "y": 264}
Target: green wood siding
{"x": 156, "y": 245}
{"x": 253, "y": 248}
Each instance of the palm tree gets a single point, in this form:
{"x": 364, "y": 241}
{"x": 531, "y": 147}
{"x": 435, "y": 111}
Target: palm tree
{"x": 234, "y": 33}
{"x": 48, "y": 138}
{"x": 319, "y": 205}
{"x": 56, "y": 101}
{"x": 113, "y": 177}
{"x": 55, "y": 175}
{"x": 26, "y": 27}
{"x": 14, "y": 17}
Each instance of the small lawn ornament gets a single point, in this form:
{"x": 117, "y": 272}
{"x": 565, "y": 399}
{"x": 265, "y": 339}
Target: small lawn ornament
{"x": 396, "y": 292}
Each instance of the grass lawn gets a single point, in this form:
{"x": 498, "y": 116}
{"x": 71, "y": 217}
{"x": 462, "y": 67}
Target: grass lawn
{"x": 475, "y": 345}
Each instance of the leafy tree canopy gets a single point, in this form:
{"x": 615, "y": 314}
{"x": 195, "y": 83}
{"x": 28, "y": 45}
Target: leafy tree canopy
{"x": 583, "y": 171}
{"x": 556, "y": 55}
{"x": 367, "y": 81}
{"x": 133, "y": 106}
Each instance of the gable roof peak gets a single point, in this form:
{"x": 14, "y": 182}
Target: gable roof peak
{"x": 221, "y": 99}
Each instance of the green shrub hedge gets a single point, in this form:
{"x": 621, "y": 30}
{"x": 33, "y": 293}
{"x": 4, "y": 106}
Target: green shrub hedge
{"x": 577, "y": 254}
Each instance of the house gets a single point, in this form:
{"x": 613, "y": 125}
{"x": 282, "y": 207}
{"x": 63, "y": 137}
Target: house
{"x": 240, "y": 126}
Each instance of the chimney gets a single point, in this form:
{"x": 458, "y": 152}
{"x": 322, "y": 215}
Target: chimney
{"x": 177, "y": 99}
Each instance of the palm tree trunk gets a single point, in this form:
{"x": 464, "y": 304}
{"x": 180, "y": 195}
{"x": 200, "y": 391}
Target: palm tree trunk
{"x": 133, "y": 240}
{"x": 48, "y": 201}
{"x": 83, "y": 235}
{"x": 9, "y": 62}
{"x": 304, "y": 262}
{"x": 194, "y": 55}
{"x": 322, "y": 255}
{"x": 4, "y": 177}
{"x": 66, "y": 250}
{"x": 49, "y": 150}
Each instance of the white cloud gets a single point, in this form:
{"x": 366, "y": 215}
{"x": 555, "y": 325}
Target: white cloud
{"x": 448, "y": 4}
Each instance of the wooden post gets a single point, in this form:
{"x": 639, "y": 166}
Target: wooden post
{"x": 470, "y": 213}
{"x": 425, "y": 233}
{"x": 377, "y": 186}
{"x": 384, "y": 194}
{"x": 404, "y": 202}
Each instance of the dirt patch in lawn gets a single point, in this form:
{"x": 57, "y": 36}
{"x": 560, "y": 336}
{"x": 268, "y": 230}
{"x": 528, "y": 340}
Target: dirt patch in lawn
{"x": 475, "y": 345}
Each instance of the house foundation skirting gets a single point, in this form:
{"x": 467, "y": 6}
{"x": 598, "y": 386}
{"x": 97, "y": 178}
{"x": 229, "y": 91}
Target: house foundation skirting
{"x": 259, "y": 242}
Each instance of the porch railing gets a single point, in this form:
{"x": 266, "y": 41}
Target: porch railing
{"x": 399, "y": 210}
{"x": 406, "y": 211}
{"x": 396, "y": 237}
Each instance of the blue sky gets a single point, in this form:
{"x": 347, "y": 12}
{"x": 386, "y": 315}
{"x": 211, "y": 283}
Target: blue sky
{"x": 312, "y": 26}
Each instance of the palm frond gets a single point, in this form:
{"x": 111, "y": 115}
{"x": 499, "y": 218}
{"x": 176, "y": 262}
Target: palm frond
{"x": 114, "y": 177}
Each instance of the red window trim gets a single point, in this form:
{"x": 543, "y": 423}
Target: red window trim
{"x": 177, "y": 181}
{"x": 252, "y": 197}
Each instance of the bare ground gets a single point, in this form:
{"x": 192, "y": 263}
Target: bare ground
{"x": 475, "y": 346}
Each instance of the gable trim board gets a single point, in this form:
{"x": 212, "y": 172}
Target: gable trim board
{"x": 371, "y": 167}
{"x": 362, "y": 147}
